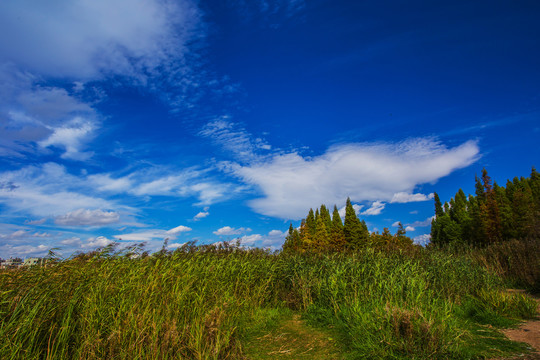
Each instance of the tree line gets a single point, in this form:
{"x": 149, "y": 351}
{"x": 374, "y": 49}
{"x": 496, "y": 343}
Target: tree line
{"x": 322, "y": 232}
{"x": 493, "y": 214}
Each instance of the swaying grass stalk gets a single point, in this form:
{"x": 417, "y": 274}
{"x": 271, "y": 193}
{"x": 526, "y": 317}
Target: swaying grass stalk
{"x": 203, "y": 303}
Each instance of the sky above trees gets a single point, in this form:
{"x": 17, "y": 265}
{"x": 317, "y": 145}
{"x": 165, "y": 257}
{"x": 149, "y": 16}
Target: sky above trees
{"x": 137, "y": 121}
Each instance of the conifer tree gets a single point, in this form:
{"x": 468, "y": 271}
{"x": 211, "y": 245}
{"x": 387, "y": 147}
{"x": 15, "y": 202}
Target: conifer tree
{"x": 311, "y": 223}
{"x": 489, "y": 210}
{"x": 337, "y": 236}
{"x": 353, "y": 227}
{"x": 288, "y": 245}
{"x": 305, "y": 236}
{"x": 438, "y": 205}
{"x": 400, "y": 230}
{"x": 401, "y": 239}
{"x": 321, "y": 240}
{"x": 523, "y": 209}
{"x": 325, "y": 214}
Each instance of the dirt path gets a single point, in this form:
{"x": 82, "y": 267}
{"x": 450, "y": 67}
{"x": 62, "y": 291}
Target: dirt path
{"x": 528, "y": 332}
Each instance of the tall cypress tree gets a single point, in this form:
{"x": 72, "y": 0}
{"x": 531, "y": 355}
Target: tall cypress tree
{"x": 325, "y": 214}
{"x": 489, "y": 210}
{"x": 311, "y": 223}
{"x": 352, "y": 227}
{"x": 305, "y": 236}
{"x": 438, "y": 205}
{"x": 321, "y": 241}
{"x": 288, "y": 245}
{"x": 337, "y": 236}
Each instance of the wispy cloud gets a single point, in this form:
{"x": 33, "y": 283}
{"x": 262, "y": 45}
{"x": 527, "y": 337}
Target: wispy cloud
{"x": 423, "y": 239}
{"x": 86, "y": 217}
{"x": 179, "y": 229}
{"x": 234, "y": 139}
{"x": 403, "y": 197}
{"x": 90, "y": 40}
{"x": 153, "y": 234}
{"x": 365, "y": 172}
{"x": 227, "y": 231}
{"x": 423, "y": 223}
{"x": 375, "y": 209}
{"x": 202, "y": 214}
{"x": 72, "y": 137}
{"x": 48, "y": 116}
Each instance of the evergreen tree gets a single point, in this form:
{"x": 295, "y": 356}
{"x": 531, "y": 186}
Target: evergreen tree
{"x": 325, "y": 214}
{"x": 288, "y": 245}
{"x": 489, "y": 210}
{"x": 337, "y": 236}
{"x": 353, "y": 229}
{"x": 305, "y": 236}
{"x": 505, "y": 211}
{"x": 524, "y": 209}
{"x": 321, "y": 240}
{"x": 400, "y": 230}
{"x": 438, "y": 205}
{"x": 311, "y": 223}
{"x": 401, "y": 239}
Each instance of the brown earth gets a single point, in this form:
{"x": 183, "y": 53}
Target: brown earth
{"x": 528, "y": 332}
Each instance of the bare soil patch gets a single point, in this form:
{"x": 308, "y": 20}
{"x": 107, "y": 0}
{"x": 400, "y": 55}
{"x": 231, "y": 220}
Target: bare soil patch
{"x": 528, "y": 332}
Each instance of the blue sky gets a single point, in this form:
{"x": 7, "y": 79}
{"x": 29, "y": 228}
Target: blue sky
{"x": 140, "y": 120}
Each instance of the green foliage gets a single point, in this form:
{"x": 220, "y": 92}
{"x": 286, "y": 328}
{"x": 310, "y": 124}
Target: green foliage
{"x": 323, "y": 233}
{"x": 207, "y": 303}
{"x": 492, "y": 215}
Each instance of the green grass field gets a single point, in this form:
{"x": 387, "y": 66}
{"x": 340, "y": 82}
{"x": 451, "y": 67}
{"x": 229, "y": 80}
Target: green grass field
{"x": 206, "y": 303}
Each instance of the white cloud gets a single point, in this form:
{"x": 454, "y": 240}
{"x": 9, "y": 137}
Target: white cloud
{"x": 423, "y": 239}
{"x": 375, "y": 209}
{"x": 250, "y": 240}
{"x": 153, "y": 234}
{"x": 86, "y": 217}
{"x": 227, "y": 231}
{"x": 104, "y": 182}
{"x": 48, "y": 116}
{"x": 148, "y": 235}
{"x": 234, "y": 139}
{"x": 291, "y": 184}
{"x": 36, "y": 222}
{"x": 274, "y": 239}
{"x": 175, "y": 245}
{"x": 356, "y": 208}
{"x": 179, "y": 229}
{"x": 276, "y": 233}
{"x": 73, "y": 241}
{"x": 89, "y": 39}
{"x": 49, "y": 190}
{"x": 403, "y": 197}
{"x": 97, "y": 242}
{"x": 183, "y": 183}
{"x": 24, "y": 250}
{"x": 201, "y": 214}
{"x": 72, "y": 137}
{"x": 423, "y": 223}
{"x": 396, "y": 224}
{"x": 409, "y": 228}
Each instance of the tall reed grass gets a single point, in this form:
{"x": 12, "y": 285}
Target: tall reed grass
{"x": 202, "y": 303}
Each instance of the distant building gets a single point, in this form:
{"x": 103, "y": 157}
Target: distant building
{"x": 33, "y": 261}
{"x": 11, "y": 263}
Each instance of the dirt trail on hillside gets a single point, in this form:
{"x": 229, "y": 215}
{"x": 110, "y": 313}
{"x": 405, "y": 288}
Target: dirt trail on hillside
{"x": 528, "y": 332}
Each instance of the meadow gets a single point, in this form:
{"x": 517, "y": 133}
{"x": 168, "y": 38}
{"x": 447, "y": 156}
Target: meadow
{"x": 205, "y": 302}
